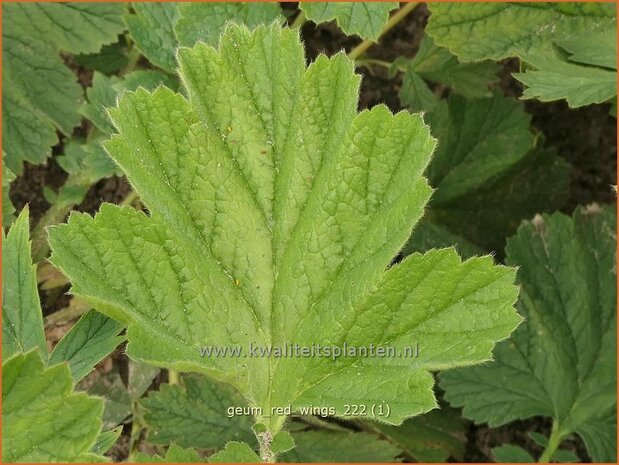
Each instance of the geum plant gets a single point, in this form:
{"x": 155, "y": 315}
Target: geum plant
{"x": 275, "y": 211}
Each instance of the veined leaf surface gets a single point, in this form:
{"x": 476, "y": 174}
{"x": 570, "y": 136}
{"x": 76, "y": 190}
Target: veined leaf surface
{"x": 584, "y": 73}
{"x": 568, "y": 272}
{"x": 365, "y": 19}
{"x": 43, "y": 420}
{"x": 22, "y": 318}
{"x": 42, "y": 93}
{"x": 275, "y": 213}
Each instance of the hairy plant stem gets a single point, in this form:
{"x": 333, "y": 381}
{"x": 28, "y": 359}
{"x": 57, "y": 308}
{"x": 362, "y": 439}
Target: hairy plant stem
{"x": 136, "y": 431}
{"x": 553, "y": 444}
{"x": 299, "y": 21}
{"x": 371, "y": 61}
{"x": 321, "y": 423}
{"x": 173, "y": 376}
{"x": 55, "y": 214}
{"x": 393, "y": 20}
{"x": 264, "y": 441}
{"x": 133, "y": 57}
{"x": 131, "y": 197}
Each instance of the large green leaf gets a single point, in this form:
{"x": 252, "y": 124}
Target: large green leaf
{"x": 531, "y": 31}
{"x": 275, "y": 212}
{"x": 22, "y": 320}
{"x": 195, "y": 415}
{"x": 365, "y": 19}
{"x": 43, "y": 420}
{"x": 41, "y": 94}
{"x": 561, "y": 362}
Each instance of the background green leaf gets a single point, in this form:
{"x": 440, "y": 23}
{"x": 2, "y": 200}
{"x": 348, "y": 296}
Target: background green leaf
{"x": 433, "y": 437}
{"x": 531, "y": 32}
{"x": 365, "y": 19}
{"x": 22, "y": 320}
{"x": 567, "y": 270}
{"x": 45, "y": 96}
{"x": 90, "y": 340}
{"x": 331, "y": 446}
{"x": 43, "y": 419}
{"x": 235, "y": 452}
{"x": 195, "y": 415}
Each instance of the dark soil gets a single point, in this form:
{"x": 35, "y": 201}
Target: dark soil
{"x": 585, "y": 137}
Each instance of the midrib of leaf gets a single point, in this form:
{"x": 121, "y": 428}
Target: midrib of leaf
{"x": 20, "y": 287}
{"x": 270, "y": 136}
{"x": 216, "y": 131}
{"x": 320, "y": 173}
{"x": 318, "y": 185}
{"x": 572, "y": 353}
{"x": 320, "y": 179}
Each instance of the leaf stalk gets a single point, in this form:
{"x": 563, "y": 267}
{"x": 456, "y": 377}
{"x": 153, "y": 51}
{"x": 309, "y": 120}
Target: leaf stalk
{"x": 553, "y": 444}
{"x": 393, "y": 20}
{"x": 299, "y": 21}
